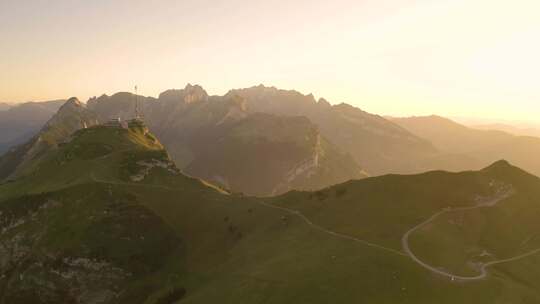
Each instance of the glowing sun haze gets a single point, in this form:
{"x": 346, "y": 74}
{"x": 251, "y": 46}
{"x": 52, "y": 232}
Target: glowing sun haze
{"x": 476, "y": 58}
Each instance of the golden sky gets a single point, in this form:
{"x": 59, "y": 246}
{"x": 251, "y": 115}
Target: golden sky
{"x": 473, "y": 58}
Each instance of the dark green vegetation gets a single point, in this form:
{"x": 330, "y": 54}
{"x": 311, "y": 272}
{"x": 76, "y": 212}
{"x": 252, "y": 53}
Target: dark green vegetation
{"x": 107, "y": 218}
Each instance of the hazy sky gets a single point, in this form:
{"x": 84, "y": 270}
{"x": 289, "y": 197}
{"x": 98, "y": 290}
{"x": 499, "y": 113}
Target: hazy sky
{"x": 476, "y": 58}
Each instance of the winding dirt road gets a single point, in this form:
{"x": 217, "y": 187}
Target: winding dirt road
{"x": 404, "y": 240}
{"x": 483, "y": 269}
{"x": 330, "y": 232}
{"x": 290, "y": 211}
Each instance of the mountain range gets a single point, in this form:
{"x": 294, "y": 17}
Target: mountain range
{"x": 356, "y": 132}
{"x": 519, "y": 131}
{"x": 294, "y": 140}
{"x": 289, "y": 152}
{"x": 218, "y": 139}
{"x": 481, "y": 146}
{"x": 183, "y": 119}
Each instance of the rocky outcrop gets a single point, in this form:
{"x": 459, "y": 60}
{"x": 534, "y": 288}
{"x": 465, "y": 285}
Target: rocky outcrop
{"x": 190, "y": 94}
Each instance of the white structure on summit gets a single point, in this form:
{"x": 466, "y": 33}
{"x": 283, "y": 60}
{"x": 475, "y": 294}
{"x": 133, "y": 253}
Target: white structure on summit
{"x": 114, "y": 123}
{"x": 137, "y": 106}
{"x": 137, "y": 121}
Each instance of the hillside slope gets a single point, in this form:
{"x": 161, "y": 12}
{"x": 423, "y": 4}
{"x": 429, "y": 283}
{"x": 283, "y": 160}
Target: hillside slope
{"x": 108, "y": 218}
{"x": 379, "y": 145}
{"x": 285, "y": 153}
{"x": 484, "y": 146}
{"x": 20, "y": 122}
{"x": 71, "y": 117}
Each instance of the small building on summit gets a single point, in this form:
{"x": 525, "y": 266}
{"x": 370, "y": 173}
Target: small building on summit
{"x": 136, "y": 122}
{"x": 114, "y": 123}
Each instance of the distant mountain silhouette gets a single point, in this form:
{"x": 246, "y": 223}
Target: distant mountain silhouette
{"x": 20, "y": 122}
{"x": 484, "y": 146}
{"x": 4, "y": 106}
{"x": 509, "y": 129}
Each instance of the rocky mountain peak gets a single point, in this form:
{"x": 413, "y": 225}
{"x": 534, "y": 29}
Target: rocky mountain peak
{"x": 74, "y": 100}
{"x": 238, "y": 102}
{"x": 237, "y": 108}
{"x": 73, "y": 104}
{"x": 190, "y": 94}
{"x": 500, "y": 165}
{"x": 324, "y": 103}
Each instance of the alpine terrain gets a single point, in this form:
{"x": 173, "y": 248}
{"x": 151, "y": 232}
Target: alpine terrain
{"x": 105, "y": 216}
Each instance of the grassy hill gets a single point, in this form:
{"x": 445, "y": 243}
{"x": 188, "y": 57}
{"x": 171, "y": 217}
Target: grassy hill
{"x": 107, "y": 218}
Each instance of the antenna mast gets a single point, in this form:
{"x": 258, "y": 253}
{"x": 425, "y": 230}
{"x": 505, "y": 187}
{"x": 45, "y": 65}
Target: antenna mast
{"x": 137, "y": 110}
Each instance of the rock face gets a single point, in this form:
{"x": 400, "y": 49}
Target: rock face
{"x": 377, "y": 144}
{"x": 71, "y": 117}
{"x": 284, "y": 153}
